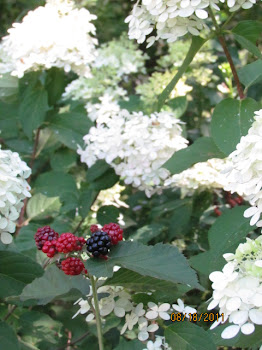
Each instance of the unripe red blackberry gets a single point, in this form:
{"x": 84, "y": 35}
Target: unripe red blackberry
{"x": 72, "y": 266}
{"x": 99, "y": 244}
{"x": 114, "y": 231}
{"x": 44, "y": 234}
{"x": 68, "y": 242}
{"x": 94, "y": 228}
{"x": 49, "y": 248}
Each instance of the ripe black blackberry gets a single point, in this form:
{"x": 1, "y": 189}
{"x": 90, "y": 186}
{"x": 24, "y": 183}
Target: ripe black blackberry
{"x": 99, "y": 244}
{"x": 45, "y": 234}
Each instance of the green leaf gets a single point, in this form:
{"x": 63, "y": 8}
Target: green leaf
{"x": 33, "y": 108}
{"x": 188, "y": 336}
{"x": 56, "y": 183}
{"x": 248, "y": 45}
{"x": 107, "y": 213}
{"x": 107, "y": 180}
{"x": 20, "y": 145}
{"x": 86, "y": 199}
{"x": 133, "y": 104}
{"x": 8, "y": 120}
{"x": 200, "y": 151}
{"x": 251, "y": 74}
{"x": 25, "y": 240}
{"x": 196, "y": 44}
{"x": 179, "y": 221}
{"x": 63, "y": 160}
{"x": 55, "y": 84}
{"x": 230, "y": 121}
{"x": 178, "y": 105}
{"x": 8, "y": 86}
{"x": 70, "y": 128}
{"x": 134, "y": 281}
{"x": 97, "y": 170}
{"x": 52, "y": 284}
{"x": 16, "y": 270}
{"x": 146, "y": 233}
{"x": 130, "y": 345}
{"x": 40, "y": 206}
{"x": 230, "y": 229}
{"x": 250, "y": 29}
{"x": 8, "y": 339}
{"x": 39, "y": 326}
{"x": 161, "y": 261}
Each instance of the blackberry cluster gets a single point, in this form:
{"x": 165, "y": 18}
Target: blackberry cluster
{"x": 49, "y": 248}
{"x": 68, "y": 242}
{"x": 99, "y": 244}
{"x": 72, "y": 266}
{"x": 44, "y": 234}
{"x": 94, "y": 228}
{"x": 114, "y": 231}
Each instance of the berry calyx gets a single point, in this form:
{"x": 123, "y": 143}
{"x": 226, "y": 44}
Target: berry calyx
{"x": 49, "y": 248}
{"x": 99, "y": 244}
{"x": 44, "y": 234}
{"x": 114, "y": 231}
{"x": 94, "y": 228}
{"x": 72, "y": 266}
{"x": 68, "y": 242}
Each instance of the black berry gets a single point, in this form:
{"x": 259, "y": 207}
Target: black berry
{"x": 99, "y": 244}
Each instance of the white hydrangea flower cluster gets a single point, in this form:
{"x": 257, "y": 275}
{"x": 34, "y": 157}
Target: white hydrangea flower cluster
{"x": 14, "y": 188}
{"x": 120, "y": 303}
{"x": 115, "y": 61}
{"x": 158, "y": 344}
{"x": 201, "y": 176}
{"x": 135, "y": 145}
{"x": 173, "y": 18}
{"x": 244, "y": 174}
{"x": 122, "y": 55}
{"x": 238, "y": 289}
{"x": 54, "y": 35}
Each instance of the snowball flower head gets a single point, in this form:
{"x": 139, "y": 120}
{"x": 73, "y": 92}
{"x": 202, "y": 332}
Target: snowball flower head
{"x": 135, "y": 145}
{"x": 13, "y": 190}
{"x": 56, "y": 35}
{"x": 173, "y": 18}
{"x": 201, "y": 176}
{"x": 238, "y": 289}
{"x": 245, "y": 173}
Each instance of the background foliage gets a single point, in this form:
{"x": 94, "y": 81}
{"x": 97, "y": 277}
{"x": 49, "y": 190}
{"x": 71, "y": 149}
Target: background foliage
{"x": 36, "y": 317}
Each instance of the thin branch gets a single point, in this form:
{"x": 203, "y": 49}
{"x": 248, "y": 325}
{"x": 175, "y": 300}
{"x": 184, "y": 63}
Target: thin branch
{"x": 31, "y": 164}
{"x": 78, "y": 226}
{"x": 228, "y": 56}
{"x": 75, "y": 341}
{"x": 12, "y": 309}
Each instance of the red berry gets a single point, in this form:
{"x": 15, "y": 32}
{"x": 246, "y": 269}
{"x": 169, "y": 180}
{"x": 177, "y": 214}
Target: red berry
{"x": 232, "y": 203}
{"x": 94, "y": 228}
{"x": 114, "y": 231}
{"x": 73, "y": 266}
{"x": 50, "y": 248}
{"x": 68, "y": 242}
{"x": 217, "y": 211}
{"x": 43, "y": 235}
{"x": 239, "y": 200}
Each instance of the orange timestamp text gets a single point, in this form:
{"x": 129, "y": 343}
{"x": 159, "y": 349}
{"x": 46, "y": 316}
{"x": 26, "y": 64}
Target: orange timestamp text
{"x": 195, "y": 317}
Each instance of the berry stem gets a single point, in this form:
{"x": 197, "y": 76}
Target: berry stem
{"x": 228, "y": 56}
{"x": 98, "y": 318}
{"x": 33, "y": 157}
